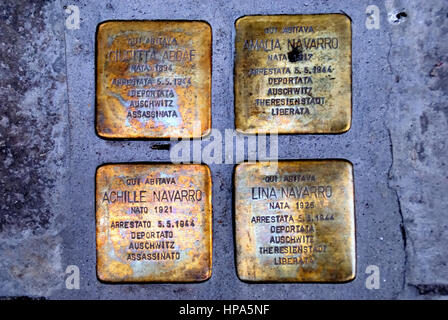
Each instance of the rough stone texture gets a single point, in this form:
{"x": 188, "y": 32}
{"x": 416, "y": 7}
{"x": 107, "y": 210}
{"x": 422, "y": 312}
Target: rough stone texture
{"x": 417, "y": 124}
{"x": 49, "y": 149}
{"x": 33, "y": 160}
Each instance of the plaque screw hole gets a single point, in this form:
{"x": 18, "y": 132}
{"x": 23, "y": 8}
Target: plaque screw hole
{"x": 401, "y": 15}
{"x": 397, "y": 16}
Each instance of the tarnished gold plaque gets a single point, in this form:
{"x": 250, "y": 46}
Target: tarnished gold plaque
{"x": 293, "y": 74}
{"x": 295, "y": 221}
{"x": 153, "y": 223}
{"x": 153, "y": 79}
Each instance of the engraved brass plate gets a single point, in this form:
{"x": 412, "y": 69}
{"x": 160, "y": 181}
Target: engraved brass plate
{"x": 153, "y": 223}
{"x": 295, "y": 222}
{"x": 153, "y": 79}
{"x": 293, "y": 74}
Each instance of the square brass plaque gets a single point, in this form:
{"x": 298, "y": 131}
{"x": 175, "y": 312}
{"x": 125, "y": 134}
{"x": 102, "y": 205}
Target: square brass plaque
{"x": 153, "y": 223}
{"x": 295, "y": 222}
{"x": 293, "y": 74}
{"x": 153, "y": 79}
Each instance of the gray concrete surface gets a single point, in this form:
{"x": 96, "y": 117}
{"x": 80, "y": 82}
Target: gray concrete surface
{"x": 49, "y": 150}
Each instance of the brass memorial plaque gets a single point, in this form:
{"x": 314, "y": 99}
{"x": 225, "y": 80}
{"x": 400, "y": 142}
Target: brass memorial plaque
{"x": 295, "y": 221}
{"x": 293, "y": 74}
{"x": 153, "y": 223}
{"x": 153, "y": 79}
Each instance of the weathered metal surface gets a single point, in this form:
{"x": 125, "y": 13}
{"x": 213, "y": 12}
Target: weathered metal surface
{"x": 153, "y": 223}
{"x": 153, "y": 79}
{"x": 295, "y": 221}
{"x": 293, "y": 74}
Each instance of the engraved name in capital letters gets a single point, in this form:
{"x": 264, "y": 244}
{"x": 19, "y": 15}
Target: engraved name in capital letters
{"x": 151, "y": 79}
{"x": 152, "y": 235}
{"x": 291, "y": 90}
{"x": 294, "y": 222}
{"x": 153, "y": 222}
{"x": 288, "y": 219}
